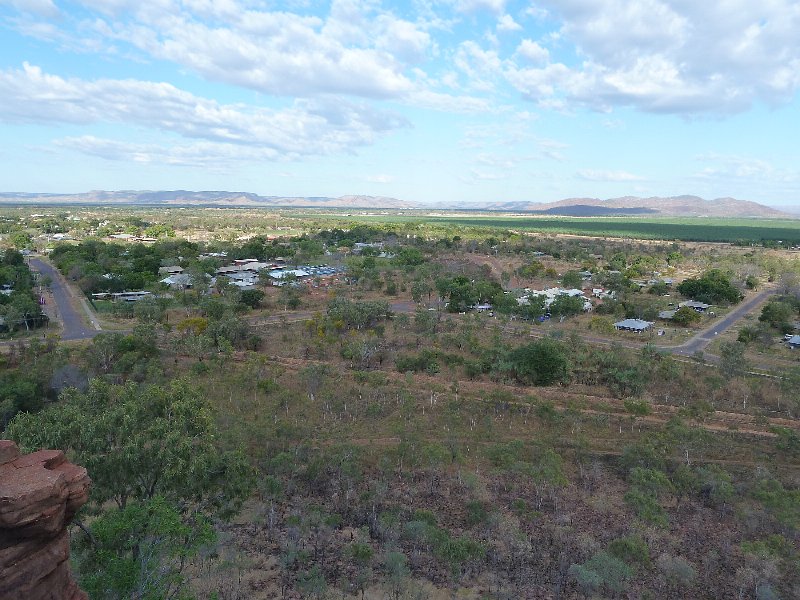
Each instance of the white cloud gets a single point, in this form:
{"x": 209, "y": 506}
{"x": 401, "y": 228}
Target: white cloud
{"x": 480, "y": 66}
{"x": 379, "y": 178}
{"x": 506, "y": 23}
{"x": 471, "y": 6}
{"x": 43, "y": 8}
{"x": 671, "y": 56}
{"x": 532, "y": 52}
{"x": 217, "y": 157}
{"x": 608, "y": 176}
{"x": 728, "y": 167}
{"x": 357, "y": 49}
{"x": 320, "y": 126}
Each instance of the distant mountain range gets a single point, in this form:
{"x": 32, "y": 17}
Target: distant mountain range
{"x": 215, "y": 198}
{"x": 674, "y": 206}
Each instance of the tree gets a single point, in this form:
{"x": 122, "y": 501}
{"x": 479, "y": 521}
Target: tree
{"x": 713, "y": 287}
{"x": 140, "y": 551}
{"x": 142, "y": 442}
{"x": 732, "y": 360}
{"x": 20, "y": 239}
{"x": 777, "y": 314}
{"x": 686, "y": 316}
{"x": 543, "y": 362}
{"x": 251, "y": 298}
{"x": 396, "y": 565}
{"x": 571, "y": 279}
{"x": 565, "y": 305}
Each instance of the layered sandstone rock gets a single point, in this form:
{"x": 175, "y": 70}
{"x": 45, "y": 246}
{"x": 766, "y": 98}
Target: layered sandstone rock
{"x": 39, "y": 494}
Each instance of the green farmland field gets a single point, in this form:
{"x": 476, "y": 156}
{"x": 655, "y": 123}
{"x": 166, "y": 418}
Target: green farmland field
{"x": 676, "y": 228}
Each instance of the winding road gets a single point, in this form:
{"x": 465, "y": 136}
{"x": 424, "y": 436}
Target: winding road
{"x": 73, "y": 324}
{"x": 703, "y": 338}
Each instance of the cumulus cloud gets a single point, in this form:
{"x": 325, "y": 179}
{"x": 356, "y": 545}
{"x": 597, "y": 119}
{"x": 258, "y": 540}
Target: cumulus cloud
{"x": 357, "y": 49}
{"x": 471, "y": 6}
{"x": 44, "y": 8}
{"x": 532, "y": 52}
{"x": 506, "y": 23}
{"x": 317, "y": 126}
{"x": 480, "y": 66}
{"x": 671, "y": 56}
{"x": 608, "y": 176}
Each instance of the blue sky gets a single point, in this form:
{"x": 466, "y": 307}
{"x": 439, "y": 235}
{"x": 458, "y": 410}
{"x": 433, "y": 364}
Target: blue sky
{"x": 451, "y": 101}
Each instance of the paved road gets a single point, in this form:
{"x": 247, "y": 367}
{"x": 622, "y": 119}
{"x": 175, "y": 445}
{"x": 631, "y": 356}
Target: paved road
{"x": 703, "y": 338}
{"x": 697, "y": 342}
{"x": 73, "y": 323}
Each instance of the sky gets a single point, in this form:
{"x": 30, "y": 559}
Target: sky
{"x": 431, "y": 101}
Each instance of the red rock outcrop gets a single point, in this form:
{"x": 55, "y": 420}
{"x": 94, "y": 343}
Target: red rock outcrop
{"x": 39, "y": 494}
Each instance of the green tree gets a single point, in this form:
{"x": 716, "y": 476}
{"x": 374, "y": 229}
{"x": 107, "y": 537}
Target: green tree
{"x": 571, "y": 279}
{"x": 542, "y": 362}
{"x": 565, "y": 305}
{"x": 686, "y": 316}
{"x": 140, "y": 551}
{"x": 777, "y": 313}
{"x": 713, "y": 287}
{"x": 251, "y": 298}
{"x": 142, "y": 442}
{"x": 732, "y": 360}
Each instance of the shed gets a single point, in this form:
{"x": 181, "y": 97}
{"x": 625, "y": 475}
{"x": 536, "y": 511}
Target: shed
{"x": 637, "y": 325}
{"x": 698, "y": 306}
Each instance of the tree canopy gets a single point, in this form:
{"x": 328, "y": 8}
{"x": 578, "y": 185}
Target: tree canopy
{"x": 543, "y": 362}
{"x": 141, "y": 442}
{"x": 712, "y": 287}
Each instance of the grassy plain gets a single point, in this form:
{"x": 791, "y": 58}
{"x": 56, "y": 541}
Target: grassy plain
{"x": 694, "y": 229}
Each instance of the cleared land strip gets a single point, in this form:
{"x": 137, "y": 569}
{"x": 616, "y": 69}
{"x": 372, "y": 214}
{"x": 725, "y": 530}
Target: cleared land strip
{"x": 718, "y": 421}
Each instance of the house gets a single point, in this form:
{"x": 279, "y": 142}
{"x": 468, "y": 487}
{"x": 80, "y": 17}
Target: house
{"x": 282, "y": 273}
{"x": 256, "y": 266}
{"x": 637, "y": 325}
{"x": 698, "y": 306}
{"x": 178, "y": 280}
{"x": 585, "y": 275}
{"x": 481, "y": 307}
{"x": 170, "y": 270}
{"x": 228, "y": 270}
{"x": 551, "y": 294}
{"x": 667, "y": 315}
{"x": 793, "y": 342}
{"x": 130, "y": 296}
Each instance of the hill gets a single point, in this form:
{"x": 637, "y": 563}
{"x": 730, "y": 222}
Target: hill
{"x": 673, "y": 206}
{"x": 204, "y": 198}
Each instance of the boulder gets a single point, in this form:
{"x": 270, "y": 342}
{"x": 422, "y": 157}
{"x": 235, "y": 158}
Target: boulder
{"x": 39, "y": 494}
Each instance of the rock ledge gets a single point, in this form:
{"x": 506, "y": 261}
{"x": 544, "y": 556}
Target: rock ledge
{"x": 39, "y": 495}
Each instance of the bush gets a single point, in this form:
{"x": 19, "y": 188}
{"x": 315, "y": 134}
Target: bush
{"x": 543, "y": 362}
{"x": 686, "y": 316}
{"x": 631, "y": 549}
{"x": 602, "y": 572}
{"x": 713, "y": 287}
